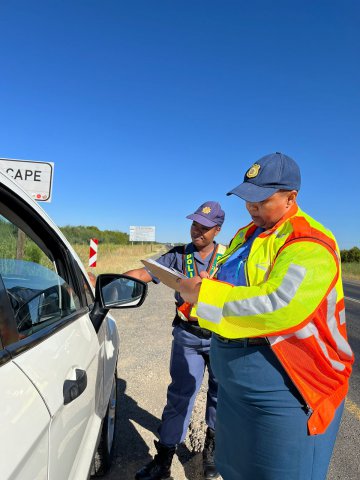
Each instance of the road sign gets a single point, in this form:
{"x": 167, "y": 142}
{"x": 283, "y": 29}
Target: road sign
{"x": 142, "y": 234}
{"x": 93, "y": 252}
{"x": 34, "y": 177}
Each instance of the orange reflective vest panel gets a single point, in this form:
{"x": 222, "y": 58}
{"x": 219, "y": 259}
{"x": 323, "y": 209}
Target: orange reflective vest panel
{"x": 184, "y": 311}
{"x": 294, "y": 297}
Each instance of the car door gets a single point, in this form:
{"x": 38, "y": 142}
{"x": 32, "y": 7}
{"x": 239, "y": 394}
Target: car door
{"x": 22, "y": 412}
{"x": 71, "y": 363}
{"x": 55, "y": 350}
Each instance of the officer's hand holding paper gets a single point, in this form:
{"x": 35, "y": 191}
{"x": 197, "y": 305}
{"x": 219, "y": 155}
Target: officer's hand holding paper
{"x": 166, "y": 275}
{"x": 189, "y": 287}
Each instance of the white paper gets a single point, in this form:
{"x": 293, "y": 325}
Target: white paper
{"x": 166, "y": 269}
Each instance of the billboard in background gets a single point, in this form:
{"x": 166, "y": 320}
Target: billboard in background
{"x": 36, "y": 178}
{"x": 142, "y": 234}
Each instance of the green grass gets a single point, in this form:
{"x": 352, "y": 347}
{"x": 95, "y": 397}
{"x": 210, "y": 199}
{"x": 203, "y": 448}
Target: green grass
{"x": 351, "y": 271}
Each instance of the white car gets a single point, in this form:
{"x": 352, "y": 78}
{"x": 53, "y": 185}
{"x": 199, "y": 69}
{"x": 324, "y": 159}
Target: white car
{"x": 58, "y": 349}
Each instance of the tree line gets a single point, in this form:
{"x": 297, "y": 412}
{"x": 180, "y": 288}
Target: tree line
{"x": 82, "y": 234}
{"x": 350, "y": 256}
{"x": 75, "y": 235}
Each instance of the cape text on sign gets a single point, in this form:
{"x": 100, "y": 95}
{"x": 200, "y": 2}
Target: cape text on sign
{"x": 19, "y": 174}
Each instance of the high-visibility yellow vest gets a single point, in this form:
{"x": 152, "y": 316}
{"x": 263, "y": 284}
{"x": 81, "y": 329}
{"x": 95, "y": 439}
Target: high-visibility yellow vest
{"x": 295, "y": 298}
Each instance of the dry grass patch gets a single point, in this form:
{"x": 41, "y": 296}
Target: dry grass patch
{"x": 118, "y": 258}
{"x": 351, "y": 271}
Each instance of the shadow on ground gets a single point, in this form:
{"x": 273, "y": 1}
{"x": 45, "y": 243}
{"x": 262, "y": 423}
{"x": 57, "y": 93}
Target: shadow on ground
{"x": 131, "y": 451}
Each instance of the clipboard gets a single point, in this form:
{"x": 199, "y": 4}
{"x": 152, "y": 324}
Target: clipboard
{"x": 166, "y": 275}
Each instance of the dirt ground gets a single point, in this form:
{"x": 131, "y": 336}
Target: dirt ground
{"x": 143, "y": 372}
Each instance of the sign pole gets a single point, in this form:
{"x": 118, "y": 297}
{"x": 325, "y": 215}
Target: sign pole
{"x": 20, "y": 245}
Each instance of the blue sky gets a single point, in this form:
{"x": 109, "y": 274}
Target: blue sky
{"x": 148, "y": 108}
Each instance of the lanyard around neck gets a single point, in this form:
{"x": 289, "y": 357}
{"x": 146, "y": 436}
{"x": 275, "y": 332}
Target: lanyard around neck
{"x": 190, "y": 267}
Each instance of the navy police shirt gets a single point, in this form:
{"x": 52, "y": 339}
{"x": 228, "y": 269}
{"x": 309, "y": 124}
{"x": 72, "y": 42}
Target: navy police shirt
{"x": 174, "y": 259}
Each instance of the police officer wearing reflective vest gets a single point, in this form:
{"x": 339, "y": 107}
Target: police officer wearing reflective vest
{"x": 280, "y": 351}
{"x": 190, "y": 347}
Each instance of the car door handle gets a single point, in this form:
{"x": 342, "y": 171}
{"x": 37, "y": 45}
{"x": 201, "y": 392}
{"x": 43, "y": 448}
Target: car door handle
{"x": 74, "y": 388}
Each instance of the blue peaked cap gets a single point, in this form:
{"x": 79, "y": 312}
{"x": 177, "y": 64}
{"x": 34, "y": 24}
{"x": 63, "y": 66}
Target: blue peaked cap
{"x": 267, "y": 176}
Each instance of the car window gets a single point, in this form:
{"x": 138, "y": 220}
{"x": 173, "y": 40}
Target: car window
{"x": 38, "y": 295}
{"x": 88, "y": 293}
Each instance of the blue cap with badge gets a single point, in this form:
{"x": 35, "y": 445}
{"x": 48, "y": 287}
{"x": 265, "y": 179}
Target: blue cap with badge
{"x": 209, "y": 214}
{"x": 267, "y": 176}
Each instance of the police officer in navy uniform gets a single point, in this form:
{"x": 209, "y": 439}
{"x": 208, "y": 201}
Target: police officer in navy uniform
{"x": 190, "y": 347}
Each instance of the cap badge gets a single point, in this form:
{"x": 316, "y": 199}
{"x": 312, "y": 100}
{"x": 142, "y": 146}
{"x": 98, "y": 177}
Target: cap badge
{"x": 253, "y": 171}
{"x": 206, "y": 210}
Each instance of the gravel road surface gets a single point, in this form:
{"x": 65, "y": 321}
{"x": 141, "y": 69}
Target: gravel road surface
{"x": 143, "y": 371}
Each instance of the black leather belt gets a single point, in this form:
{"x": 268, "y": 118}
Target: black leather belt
{"x": 245, "y": 342}
{"x": 195, "y": 329}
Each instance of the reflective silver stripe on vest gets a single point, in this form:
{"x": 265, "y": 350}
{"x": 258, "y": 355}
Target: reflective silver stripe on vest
{"x": 342, "y": 316}
{"x": 342, "y": 345}
{"x": 311, "y": 330}
{"x": 268, "y": 303}
{"x": 257, "y": 305}
{"x": 209, "y": 312}
{"x": 279, "y": 338}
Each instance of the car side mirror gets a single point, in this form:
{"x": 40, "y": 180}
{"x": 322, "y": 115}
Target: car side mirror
{"x": 120, "y": 291}
{"x": 116, "y": 291}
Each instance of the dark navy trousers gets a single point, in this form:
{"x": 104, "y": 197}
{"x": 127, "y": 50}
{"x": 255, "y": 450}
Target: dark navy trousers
{"x": 261, "y": 430}
{"x": 189, "y": 358}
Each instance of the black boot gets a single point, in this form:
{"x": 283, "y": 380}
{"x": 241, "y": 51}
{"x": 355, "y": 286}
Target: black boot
{"x": 159, "y": 468}
{"x": 209, "y": 467}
